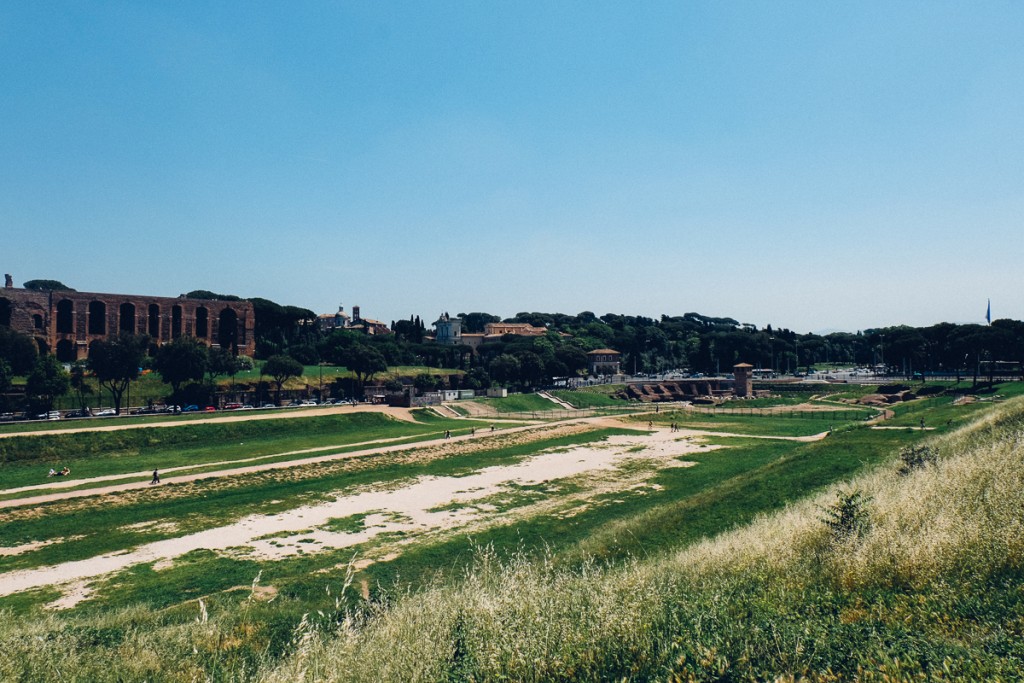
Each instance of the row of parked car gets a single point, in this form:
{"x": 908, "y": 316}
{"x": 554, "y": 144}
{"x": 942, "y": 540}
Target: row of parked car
{"x": 57, "y": 415}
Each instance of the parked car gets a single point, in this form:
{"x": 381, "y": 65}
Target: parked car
{"x": 193, "y": 408}
{"x": 77, "y": 413}
{"x": 268, "y": 405}
{"x": 233, "y": 406}
{"x": 210, "y": 409}
{"x": 105, "y": 412}
{"x": 50, "y": 415}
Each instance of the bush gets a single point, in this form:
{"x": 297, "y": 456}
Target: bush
{"x": 847, "y": 517}
{"x": 915, "y": 458}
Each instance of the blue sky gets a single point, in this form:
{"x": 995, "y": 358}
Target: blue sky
{"x": 812, "y": 165}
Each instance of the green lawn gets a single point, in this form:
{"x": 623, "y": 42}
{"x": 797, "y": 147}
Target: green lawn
{"x": 24, "y": 460}
{"x": 519, "y": 403}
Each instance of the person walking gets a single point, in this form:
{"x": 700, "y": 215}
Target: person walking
{"x": 156, "y": 477}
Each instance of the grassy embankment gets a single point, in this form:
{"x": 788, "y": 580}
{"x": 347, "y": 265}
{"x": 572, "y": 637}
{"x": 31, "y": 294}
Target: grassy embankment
{"x": 25, "y": 459}
{"x": 781, "y": 596}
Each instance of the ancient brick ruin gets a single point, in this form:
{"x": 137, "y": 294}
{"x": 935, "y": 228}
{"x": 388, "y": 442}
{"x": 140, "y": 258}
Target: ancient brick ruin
{"x": 64, "y": 323}
{"x": 681, "y": 390}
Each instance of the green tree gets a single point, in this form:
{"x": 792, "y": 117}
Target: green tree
{"x": 220, "y": 361}
{"x": 281, "y": 368}
{"x": 425, "y": 382}
{"x": 365, "y": 362}
{"x": 18, "y": 350}
{"x": 46, "y": 383}
{"x": 44, "y": 285}
{"x": 504, "y": 369}
{"x": 5, "y": 383}
{"x": 183, "y": 360}
{"x": 79, "y": 383}
{"x": 116, "y": 361}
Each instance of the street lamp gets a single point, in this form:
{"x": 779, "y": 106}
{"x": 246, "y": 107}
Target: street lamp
{"x": 881, "y": 350}
{"x": 772, "y": 368}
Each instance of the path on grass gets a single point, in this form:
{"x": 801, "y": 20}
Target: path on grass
{"x": 422, "y": 506}
{"x": 403, "y": 414}
{"x": 233, "y": 471}
{"x": 376, "y": 449}
{"x": 557, "y": 401}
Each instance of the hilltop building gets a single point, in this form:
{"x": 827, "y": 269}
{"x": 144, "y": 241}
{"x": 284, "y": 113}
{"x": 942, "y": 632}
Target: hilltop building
{"x": 448, "y": 330}
{"x": 604, "y": 362}
{"x": 342, "y": 321}
{"x": 333, "y": 321}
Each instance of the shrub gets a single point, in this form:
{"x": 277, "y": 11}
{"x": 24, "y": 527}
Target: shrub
{"x": 847, "y": 517}
{"x": 916, "y": 457}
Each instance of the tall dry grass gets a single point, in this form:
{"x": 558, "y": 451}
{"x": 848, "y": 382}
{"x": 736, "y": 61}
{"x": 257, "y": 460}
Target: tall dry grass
{"x": 929, "y": 588}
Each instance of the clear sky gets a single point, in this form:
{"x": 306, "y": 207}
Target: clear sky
{"x": 812, "y": 165}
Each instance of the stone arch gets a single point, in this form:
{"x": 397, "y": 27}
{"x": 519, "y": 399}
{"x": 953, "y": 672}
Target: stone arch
{"x": 202, "y": 322}
{"x": 153, "y": 321}
{"x": 44, "y": 348}
{"x": 126, "y": 316}
{"x": 176, "y": 318}
{"x": 65, "y": 316}
{"x": 5, "y": 312}
{"x": 66, "y": 351}
{"x": 97, "y": 317}
{"x": 228, "y": 330}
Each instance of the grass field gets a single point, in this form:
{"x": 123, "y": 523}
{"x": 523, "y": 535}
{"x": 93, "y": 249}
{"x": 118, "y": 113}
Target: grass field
{"x": 717, "y": 570}
{"x": 519, "y": 403}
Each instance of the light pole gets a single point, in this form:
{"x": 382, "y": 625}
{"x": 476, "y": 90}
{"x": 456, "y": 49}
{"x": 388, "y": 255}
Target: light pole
{"x": 772, "y": 364}
{"x": 881, "y": 350}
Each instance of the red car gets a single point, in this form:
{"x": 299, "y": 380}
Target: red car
{"x": 210, "y": 409}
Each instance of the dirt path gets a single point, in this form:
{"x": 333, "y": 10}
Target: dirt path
{"x": 404, "y": 414}
{"x": 235, "y": 471}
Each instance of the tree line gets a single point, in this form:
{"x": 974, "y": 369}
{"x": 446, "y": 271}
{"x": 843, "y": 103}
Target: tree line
{"x": 290, "y": 336}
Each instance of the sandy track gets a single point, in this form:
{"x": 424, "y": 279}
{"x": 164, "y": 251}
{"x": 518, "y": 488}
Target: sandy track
{"x": 232, "y": 471}
{"x": 404, "y": 414}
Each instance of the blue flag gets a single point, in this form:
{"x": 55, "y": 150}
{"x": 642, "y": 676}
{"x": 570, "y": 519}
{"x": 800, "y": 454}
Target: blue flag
{"x": 988, "y": 312}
